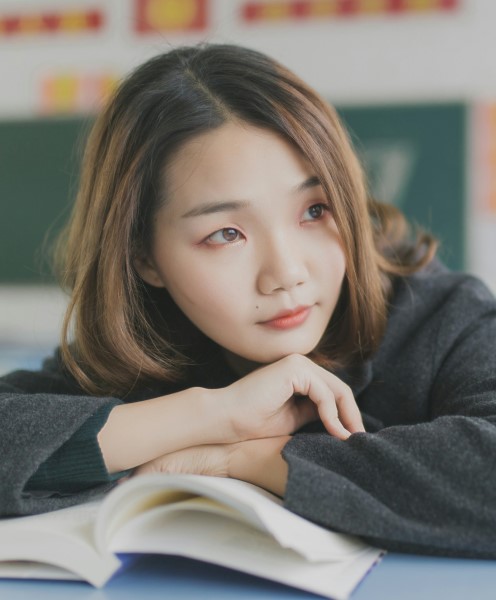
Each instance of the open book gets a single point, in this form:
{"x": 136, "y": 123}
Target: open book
{"x": 222, "y": 521}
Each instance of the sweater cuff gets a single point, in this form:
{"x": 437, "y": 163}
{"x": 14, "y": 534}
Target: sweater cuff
{"x": 78, "y": 463}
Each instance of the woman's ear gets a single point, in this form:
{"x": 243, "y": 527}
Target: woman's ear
{"x": 147, "y": 271}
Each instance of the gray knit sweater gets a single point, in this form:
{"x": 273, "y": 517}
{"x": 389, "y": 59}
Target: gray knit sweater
{"x": 421, "y": 479}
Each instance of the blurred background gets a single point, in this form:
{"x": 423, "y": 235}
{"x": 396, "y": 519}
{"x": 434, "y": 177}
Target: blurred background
{"x": 414, "y": 81}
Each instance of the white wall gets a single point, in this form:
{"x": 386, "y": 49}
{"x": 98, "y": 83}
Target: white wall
{"x": 366, "y": 59}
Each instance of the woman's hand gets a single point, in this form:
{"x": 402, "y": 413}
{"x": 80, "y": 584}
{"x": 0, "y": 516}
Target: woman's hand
{"x": 280, "y": 398}
{"x": 256, "y": 461}
{"x": 211, "y": 459}
{"x": 275, "y": 400}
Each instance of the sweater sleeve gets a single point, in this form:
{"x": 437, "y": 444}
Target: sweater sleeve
{"x": 48, "y": 443}
{"x": 426, "y": 487}
{"x": 78, "y": 463}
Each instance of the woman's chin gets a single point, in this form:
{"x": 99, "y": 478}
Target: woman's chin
{"x": 243, "y": 365}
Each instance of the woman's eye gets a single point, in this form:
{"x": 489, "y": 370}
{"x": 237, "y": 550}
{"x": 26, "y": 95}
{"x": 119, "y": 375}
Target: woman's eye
{"x": 315, "y": 212}
{"x": 228, "y": 235}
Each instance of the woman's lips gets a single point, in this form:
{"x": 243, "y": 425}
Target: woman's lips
{"x": 289, "y": 320}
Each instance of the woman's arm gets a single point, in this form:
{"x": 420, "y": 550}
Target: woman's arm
{"x": 138, "y": 432}
{"x": 263, "y": 404}
{"x": 57, "y": 442}
{"x": 256, "y": 461}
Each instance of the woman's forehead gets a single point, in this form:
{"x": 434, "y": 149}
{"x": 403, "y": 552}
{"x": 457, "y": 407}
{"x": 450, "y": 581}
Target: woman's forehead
{"x": 234, "y": 157}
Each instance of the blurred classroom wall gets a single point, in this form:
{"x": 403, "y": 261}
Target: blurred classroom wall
{"x": 414, "y": 80}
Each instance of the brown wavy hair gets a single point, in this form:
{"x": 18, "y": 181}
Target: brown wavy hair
{"x": 118, "y": 332}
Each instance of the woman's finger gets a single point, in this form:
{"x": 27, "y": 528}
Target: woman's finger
{"x": 325, "y": 401}
{"x": 347, "y": 408}
{"x": 348, "y": 411}
{"x": 334, "y": 399}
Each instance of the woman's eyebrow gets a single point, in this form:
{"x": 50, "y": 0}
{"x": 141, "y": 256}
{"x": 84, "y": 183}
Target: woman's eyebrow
{"x": 209, "y": 208}
{"x": 311, "y": 182}
{"x": 214, "y": 207}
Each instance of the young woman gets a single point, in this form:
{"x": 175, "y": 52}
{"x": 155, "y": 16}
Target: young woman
{"x": 240, "y": 308}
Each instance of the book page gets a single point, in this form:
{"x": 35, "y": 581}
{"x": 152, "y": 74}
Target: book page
{"x": 63, "y": 539}
{"x": 234, "y": 524}
{"x": 258, "y": 507}
{"x": 34, "y": 570}
{"x": 221, "y": 537}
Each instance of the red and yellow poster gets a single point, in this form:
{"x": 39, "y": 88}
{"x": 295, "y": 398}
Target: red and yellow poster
{"x": 280, "y": 10}
{"x": 70, "y": 21}
{"x": 485, "y": 158}
{"x": 153, "y": 16}
{"x": 75, "y": 93}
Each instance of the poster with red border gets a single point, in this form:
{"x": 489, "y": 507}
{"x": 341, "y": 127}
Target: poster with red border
{"x": 75, "y": 93}
{"x": 152, "y": 16}
{"x": 280, "y": 10}
{"x": 68, "y": 21}
{"x": 485, "y": 158}
{"x": 482, "y": 207}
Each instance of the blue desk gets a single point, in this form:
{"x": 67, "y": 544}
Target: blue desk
{"x": 398, "y": 577}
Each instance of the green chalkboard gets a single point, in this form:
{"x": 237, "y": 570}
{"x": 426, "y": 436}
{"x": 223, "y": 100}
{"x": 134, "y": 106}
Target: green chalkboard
{"x": 38, "y": 177}
{"x": 415, "y": 158}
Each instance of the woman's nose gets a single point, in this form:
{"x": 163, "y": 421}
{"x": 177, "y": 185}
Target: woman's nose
{"x": 281, "y": 268}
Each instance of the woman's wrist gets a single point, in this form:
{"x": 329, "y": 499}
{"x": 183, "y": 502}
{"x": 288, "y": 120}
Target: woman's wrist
{"x": 228, "y": 425}
{"x": 139, "y": 432}
{"x": 260, "y": 462}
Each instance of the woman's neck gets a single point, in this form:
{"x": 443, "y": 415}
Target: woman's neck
{"x": 241, "y": 366}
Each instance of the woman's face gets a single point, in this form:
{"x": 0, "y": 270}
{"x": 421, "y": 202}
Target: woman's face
{"x": 246, "y": 245}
